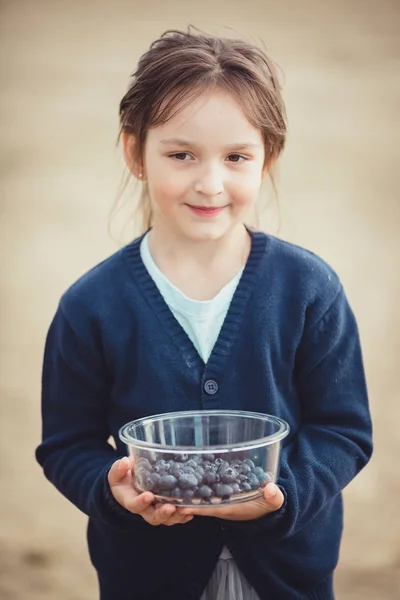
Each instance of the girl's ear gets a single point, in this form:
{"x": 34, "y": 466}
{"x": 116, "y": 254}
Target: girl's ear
{"x": 129, "y": 152}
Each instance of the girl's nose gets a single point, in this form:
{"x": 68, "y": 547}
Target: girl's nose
{"x": 209, "y": 182}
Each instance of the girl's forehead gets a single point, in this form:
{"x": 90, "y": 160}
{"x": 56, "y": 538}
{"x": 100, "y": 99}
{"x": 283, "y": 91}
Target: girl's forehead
{"x": 211, "y": 115}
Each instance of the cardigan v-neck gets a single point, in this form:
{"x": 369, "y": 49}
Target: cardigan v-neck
{"x": 233, "y": 319}
{"x": 201, "y": 319}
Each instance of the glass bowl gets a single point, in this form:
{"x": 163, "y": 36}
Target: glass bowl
{"x": 204, "y": 457}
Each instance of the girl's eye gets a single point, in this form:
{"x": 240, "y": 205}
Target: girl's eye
{"x": 181, "y": 156}
{"x": 235, "y": 158}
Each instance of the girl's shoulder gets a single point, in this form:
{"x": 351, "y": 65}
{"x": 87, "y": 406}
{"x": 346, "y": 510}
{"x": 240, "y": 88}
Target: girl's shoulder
{"x": 300, "y": 260}
{"x": 300, "y": 274}
{"x": 296, "y": 257}
{"x": 105, "y": 282}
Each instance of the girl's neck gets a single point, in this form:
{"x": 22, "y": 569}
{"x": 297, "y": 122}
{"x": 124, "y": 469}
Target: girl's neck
{"x": 199, "y": 269}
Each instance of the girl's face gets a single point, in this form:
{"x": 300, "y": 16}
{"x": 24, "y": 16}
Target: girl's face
{"x": 204, "y": 169}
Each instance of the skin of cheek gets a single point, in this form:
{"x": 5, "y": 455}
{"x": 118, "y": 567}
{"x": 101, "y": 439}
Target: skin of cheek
{"x": 166, "y": 194}
{"x": 245, "y": 194}
{"x": 168, "y": 191}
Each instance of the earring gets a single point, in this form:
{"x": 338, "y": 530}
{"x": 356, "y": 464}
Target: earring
{"x": 140, "y": 175}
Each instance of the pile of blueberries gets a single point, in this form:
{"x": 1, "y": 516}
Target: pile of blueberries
{"x": 200, "y": 478}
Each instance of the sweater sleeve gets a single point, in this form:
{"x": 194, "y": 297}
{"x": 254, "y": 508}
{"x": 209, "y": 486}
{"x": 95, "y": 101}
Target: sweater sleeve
{"x": 75, "y": 453}
{"x": 334, "y": 441}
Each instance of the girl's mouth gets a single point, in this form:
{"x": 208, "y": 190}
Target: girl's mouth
{"x": 206, "y": 211}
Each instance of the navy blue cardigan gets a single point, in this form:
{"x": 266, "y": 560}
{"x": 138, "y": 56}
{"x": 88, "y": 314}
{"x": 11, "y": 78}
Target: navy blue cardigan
{"x": 289, "y": 346}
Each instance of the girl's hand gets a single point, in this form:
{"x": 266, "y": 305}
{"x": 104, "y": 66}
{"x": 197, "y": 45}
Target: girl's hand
{"x": 120, "y": 480}
{"x": 271, "y": 501}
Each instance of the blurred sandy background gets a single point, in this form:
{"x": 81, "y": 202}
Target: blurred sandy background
{"x": 64, "y": 68}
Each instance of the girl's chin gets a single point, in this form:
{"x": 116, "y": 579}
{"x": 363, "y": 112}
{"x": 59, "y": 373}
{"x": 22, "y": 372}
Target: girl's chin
{"x": 207, "y": 232}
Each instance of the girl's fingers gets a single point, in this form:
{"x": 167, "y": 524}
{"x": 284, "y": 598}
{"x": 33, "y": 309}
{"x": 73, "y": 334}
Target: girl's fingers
{"x": 166, "y": 514}
{"x": 158, "y": 516}
{"x": 178, "y": 519}
{"x": 222, "y": 512}
{"x": 273, "y": 497}
{"x": 118, "y": 471}
{"x": 186, "y": 518}
{"x": 271, "y": 501}
{"x": 139, "y": 503}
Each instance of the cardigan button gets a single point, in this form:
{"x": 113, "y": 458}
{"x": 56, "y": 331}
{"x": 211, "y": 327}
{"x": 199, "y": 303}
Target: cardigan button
{"x": 211, "y": 387}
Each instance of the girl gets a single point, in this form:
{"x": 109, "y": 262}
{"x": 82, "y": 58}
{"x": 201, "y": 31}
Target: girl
{"x": 201, "y": 312}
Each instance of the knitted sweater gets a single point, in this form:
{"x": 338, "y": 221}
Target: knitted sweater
{"x": 289, "y": 346}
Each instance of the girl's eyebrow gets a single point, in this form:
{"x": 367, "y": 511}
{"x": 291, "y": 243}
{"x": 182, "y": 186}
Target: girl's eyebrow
{"x": 186, "y": 144}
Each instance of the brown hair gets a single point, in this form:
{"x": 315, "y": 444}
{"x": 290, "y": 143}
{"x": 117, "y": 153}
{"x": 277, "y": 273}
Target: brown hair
{"x": 178, "y": 66}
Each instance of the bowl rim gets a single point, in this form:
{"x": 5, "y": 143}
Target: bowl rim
{"x": 282, "y": 432}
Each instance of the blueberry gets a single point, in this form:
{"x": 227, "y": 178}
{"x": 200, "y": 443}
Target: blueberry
{"x": 205, "y": 491}
{"x": 176, "y": 470}
{"x": 143, "y": 463}
{"x": 241, "y": 478}
{"x": 168, "y": 482}
{"x": 209, "y": 478}
{"x": 160, "y": 468}
{"x": 245, "y": 487}
{"x": 181, "y": 457}
{"x": 152, "y": 481}
{"x": 222, "y": 490}
{"x": 187, "y": 481}
{"x": 209, "y": 457}
{"x": 213, "y": 468}
{"x": 254, "y": 482}
{"x": 142, "y": 473}
{"x": 163, "y": 464}
{"x": 141, "y": 477}
{"x": 173, "y": 464}
{"x": 187, "y": 496}
{"x": 199, "y": 473}
{"x": 261, "y": 475}
{"x": 189, "y": 471}
{"x": 191, "y": 463}
{"x": 177, "y": 493}
{"x": 266, "y": 479}
{"x": 249, "y": 462}
{"x": 222, "y": 464}
{"x": 228, "y": 475}
{"x": 244, "y": 469}
{"x": 235, "y": 487}
{"x": 259, "y": 472}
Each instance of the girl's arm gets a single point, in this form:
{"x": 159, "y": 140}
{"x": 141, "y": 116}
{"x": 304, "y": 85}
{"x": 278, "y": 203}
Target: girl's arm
{"x": 75, "y": 453}
{"x": 334, "y": 440}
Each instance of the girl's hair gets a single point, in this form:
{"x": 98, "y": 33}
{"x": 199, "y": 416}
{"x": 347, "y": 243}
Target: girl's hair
{"x": 178, "y": 67}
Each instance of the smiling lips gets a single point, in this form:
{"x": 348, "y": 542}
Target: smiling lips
{"x": 206, "y": 211}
